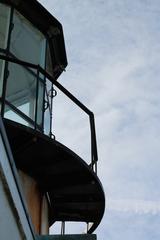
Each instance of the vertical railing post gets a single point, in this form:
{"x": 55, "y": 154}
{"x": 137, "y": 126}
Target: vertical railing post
{"x": 94, "y": 154}
{"x": 63, "y": 228}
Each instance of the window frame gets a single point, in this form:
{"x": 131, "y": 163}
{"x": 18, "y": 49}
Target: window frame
{"x": 33, "y": 123}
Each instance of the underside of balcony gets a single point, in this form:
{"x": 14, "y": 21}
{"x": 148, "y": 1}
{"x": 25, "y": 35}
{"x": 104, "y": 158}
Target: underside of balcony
{"x": 74, "y": 190}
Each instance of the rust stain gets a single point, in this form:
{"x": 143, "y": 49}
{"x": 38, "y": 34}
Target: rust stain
{"x": 38, "y": 210}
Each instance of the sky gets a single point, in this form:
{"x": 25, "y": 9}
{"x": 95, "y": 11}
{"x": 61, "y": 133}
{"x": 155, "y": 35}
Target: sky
{"x": 113, "y": 67}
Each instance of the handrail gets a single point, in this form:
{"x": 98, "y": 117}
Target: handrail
{"x": 94, "y": 153}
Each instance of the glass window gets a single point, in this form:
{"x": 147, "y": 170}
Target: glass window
{"x": 21, "y": 89}
{"x": 4, "y": 26}
{"x": 4, "y": 23}
{"x": 27, "y": 43}
{"x": 47, "y": 112}
{"x": 49, "y": 67}
{"x": 2, "y": 64}
{"x": 40, "y": 105}
{"x": 10, "y": 114}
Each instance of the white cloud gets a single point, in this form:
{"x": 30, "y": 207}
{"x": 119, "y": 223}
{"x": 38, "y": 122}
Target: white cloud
{"x": 135, "y": 206}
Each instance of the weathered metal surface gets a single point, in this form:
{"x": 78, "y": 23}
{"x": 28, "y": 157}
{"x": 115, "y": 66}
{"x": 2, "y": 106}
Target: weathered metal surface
{"x": 36, "y": 203}
{"x": 33, "y": 199}
{"x": 44, "y": 216}
{"x": 68, "y": 237}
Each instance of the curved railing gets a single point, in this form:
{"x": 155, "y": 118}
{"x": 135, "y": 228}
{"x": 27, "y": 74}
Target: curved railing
{"x": 37, "y": 71}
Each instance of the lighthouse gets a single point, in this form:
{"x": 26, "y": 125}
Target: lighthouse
{"x": 42, "y": 181}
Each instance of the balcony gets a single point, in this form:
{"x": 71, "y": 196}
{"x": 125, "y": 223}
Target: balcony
{"x": 27, "y": 90}
{"x": 74, "y": 190}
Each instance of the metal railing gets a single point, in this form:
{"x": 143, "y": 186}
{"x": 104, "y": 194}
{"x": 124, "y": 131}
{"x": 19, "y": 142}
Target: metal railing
{"x": 40, "y": 70}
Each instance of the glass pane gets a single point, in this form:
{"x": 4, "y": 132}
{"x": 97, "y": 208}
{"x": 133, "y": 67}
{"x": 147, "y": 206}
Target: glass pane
{"x": 21, "y": 89}
{"x": 11, "y": 115}
{"x": 40, "y": 102}
{"x": 49, "y": 67}
{"x": 4, "y": 23}
{"x": 2, "y": 64}
{"x": 27, "y": 43}
{"x": 47, "y": 112}
{"x": 47, "y": 122}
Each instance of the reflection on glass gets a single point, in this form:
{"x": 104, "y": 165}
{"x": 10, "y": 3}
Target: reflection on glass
{"x": 40, "y": 101}
{"x": 49, "y": 67}
{"x": 47, "y": 108}
{"x": 10, "y": 114}
{"x": 27, "y": 43}
{"x": 1, "y": 76}
{"x": 4, "y": 25}
{"x": 47, "y": 122}
{"x": 21, "y": 89}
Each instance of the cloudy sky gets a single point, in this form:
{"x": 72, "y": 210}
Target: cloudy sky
{"x": 113, "y": 49}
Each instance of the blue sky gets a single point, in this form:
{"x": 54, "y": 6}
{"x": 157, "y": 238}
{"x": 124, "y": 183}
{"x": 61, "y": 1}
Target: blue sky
{"x": 113, "y": 54}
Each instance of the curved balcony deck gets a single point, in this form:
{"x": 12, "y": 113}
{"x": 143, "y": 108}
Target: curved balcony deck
{"x": 74, "y": 190}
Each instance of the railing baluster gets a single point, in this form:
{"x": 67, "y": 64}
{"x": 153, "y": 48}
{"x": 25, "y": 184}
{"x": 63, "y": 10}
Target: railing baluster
{"x": 63, "y": 228}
